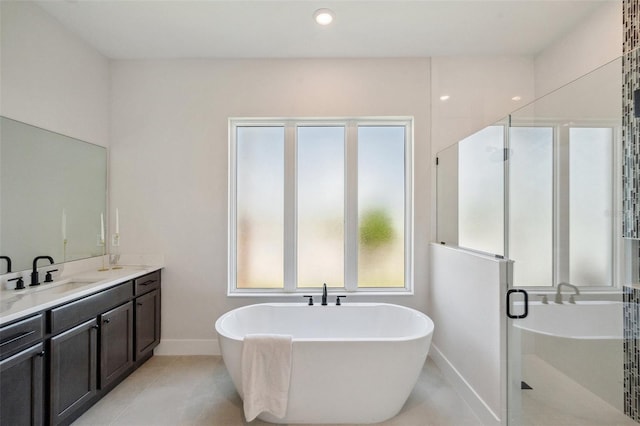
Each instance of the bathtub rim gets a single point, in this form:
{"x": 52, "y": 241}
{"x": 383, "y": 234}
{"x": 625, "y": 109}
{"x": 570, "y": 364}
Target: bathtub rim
{"x": 408, "y": 338}
{"x": 534, "y": 330}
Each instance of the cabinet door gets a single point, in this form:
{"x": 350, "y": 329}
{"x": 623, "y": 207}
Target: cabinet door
{"x": 147, "y": 322}
{"x": 21, "y": 388}
{"x": 116, "y": 343}
{"x": 73, "y": 370}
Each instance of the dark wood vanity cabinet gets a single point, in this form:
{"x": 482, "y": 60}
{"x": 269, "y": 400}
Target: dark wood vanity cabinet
{"x": 73, "y": 369}
{"x": 69, "y": 356}
{"x": 22, "y": 372}
{"x": 22, "y": 388}
{"x": 147, "y": 323}
{"x": 116, "y": 343}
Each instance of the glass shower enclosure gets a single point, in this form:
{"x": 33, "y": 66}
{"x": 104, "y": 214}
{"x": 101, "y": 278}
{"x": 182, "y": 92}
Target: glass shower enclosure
{"x": 542, "y": 188}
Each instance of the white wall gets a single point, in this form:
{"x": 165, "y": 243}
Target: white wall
{"x": 467, "y": 306}
{"x": 49, "y": 78}
{"x": 169, "y": 162}
{"x": 481, "y": 88}
{"x": 481, "y": 91}
{"x": 593, "y": 43}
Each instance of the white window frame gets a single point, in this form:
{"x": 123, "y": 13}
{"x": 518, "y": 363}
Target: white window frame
{"x": 560, "y": 129}
{"x": 290, "y": 126}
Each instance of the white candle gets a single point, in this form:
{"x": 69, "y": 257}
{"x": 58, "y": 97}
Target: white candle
{"x": 102, "y": 228}
{"x": 117, "y": 221}
{"x": 64, "y": 224}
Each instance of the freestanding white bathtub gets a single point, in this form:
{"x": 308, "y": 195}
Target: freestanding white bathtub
{"x": 355, "y": 363}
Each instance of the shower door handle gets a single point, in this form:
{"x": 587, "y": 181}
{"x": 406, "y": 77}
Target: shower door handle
{"x": 526, "y": 303}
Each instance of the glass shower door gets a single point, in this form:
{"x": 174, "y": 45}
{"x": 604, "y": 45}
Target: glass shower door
{"x": 564, "y": 342}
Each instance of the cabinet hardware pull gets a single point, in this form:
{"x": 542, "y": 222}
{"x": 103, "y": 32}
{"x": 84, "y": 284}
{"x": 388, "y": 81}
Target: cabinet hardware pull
{"x": 139, "y": 304}
{"x": 148, "y": 282}
{"x": 107, "y": 321}
{"x": 41, "y": 354}
{"x": 16, "y": 338}
{"x": 96, "y": 326}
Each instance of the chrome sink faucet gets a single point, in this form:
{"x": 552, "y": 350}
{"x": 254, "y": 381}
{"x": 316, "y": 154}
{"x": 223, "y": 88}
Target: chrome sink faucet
{"x": 559, "y": 293}
{"x": 34, "y": 274}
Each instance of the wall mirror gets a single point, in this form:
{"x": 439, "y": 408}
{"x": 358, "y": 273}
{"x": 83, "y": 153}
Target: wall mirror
{"x": 543, "y": 186}
{"x": 52, "y": 194}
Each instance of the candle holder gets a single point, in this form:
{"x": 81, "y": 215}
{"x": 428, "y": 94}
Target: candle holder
{"x": 115, "y": 255}
{"x": 104, "y": 253}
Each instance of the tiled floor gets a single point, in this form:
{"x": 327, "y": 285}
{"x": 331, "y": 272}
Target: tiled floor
{"x": 198, "y": 391}
{"x": 557, "y": 400}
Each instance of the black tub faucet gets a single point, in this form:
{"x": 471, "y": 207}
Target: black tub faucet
{"x": 34, "y": 273}
{"x": 8, "y": 259}
{"x": 324, "y": 294}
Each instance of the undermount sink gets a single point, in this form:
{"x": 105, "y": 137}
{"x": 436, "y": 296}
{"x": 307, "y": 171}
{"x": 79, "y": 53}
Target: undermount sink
{"x": 56, "y": 287}
{"x": 63, "y": 287}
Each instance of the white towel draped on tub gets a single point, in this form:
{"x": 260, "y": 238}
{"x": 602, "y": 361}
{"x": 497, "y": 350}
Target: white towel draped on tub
{"x": 266, "y": 370}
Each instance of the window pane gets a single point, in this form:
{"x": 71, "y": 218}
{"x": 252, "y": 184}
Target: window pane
{"x": 320, "y": 206}
{"x": 590, "y": 174}
{"x": 381, "y": 206}
{"x": 260, "y": 207}
{"x": 481, "y": 191}
{"x": 531, "y": 205}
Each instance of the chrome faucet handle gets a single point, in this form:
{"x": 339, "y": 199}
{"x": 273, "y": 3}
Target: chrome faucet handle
{"x": 572, "y": 299}
{"x": 545, "y": 299}
{"x": 310, "y": 299}
{"x": 338, "y": 303}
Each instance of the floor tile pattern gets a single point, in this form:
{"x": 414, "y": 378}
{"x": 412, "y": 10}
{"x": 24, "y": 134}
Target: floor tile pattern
{"x": 197, "y": 390}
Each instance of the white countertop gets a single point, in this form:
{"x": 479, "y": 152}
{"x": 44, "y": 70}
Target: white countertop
{"x": 16, "y": 304}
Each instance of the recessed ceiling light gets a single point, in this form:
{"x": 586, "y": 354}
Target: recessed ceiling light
{"x": 516, "y": 98}
{"x": 323, "y": 16}
{"x": 444, "y": 97}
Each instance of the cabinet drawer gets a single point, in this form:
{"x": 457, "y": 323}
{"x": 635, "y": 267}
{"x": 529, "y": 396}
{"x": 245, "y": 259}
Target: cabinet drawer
{"x": 146, "y": 283}
{"x": 20, "y": 335}
{"x": 81, "y": 310}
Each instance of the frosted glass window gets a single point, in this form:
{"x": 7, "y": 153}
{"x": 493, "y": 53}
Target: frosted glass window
{"x": 531, "y": 205}
{"x": 319, "y": 201}
{"x": 481, "y": 191}
{"x": 320, "y": 206}
{"x": 590, "y": 229}
{"x": 381, "y": 182}
{"x": 260, "y": 207}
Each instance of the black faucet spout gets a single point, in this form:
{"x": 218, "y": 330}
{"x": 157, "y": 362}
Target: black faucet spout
{"x": 34, "y": 273}
{"x": 324, "y": 294}
{"x": 8, "y": 259}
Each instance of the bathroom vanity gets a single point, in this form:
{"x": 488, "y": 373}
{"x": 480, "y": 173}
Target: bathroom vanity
{"x": 64, "y": 347}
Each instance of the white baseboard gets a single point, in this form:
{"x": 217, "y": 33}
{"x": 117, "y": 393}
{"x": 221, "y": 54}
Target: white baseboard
{"x": 187, "y": 347}
{"x": 485, "y": 415}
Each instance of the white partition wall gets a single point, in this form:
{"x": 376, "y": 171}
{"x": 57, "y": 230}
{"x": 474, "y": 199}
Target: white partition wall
{"x": 467, "y": 305}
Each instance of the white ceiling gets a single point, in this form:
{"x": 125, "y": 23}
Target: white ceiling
{"x": 285, "y": 29}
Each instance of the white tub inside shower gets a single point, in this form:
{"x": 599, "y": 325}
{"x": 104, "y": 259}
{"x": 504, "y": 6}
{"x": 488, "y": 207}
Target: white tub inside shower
{"x": 581, "y": 340}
